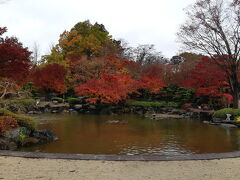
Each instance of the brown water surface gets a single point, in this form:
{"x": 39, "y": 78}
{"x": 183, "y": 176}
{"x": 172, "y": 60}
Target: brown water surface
{"x": 93, "y": 134}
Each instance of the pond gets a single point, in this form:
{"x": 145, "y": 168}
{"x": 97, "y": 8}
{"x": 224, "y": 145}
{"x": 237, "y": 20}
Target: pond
{"x": 135, "y": 135}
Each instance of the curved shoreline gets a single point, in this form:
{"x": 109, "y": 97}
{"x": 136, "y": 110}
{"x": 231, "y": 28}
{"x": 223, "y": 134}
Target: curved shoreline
{"x": 17, "y": 168}
{"x": 40, "y": 155}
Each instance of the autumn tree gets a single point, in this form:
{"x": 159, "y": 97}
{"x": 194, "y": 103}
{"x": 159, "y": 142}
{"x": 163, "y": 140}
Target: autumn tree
{"x": 180, "y": 68}
{"x": 108, "y": 89}
{"x": 213, "y": 28}
{"x": 151, "y": 78}
{"x": 83, "y": 69}
{"x": 84, "y": 39}
{"x": 15, "y": 60}
{"x": 209, "y": 80}
{"x": 50, "y": 78}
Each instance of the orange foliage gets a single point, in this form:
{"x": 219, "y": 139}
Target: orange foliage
{"x": 51, "y": 77}
{"x": 7, "y": 123}
{"x": 152, "y": 84}
{"x": 152, "y": 79}
{"x": 209, "y": 79}
{"x": 83, "y": 69}
{"x": 108, "y": 89}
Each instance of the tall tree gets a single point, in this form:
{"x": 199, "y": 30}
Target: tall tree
{"x": 213, "y": 28}
{"x": 84, "y": 39}
{"x": 209, "y": 79}
{"x": 15, "y": 59}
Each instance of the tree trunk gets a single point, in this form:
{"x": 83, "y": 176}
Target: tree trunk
{"x": 234, "y": 88}
{"x": 235, "y": 99}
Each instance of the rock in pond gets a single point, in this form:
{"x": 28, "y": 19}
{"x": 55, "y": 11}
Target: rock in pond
{"x": 29, "y": 141}
{"x": 17, "y": 135}
{"x": 44, "y": 136}
{"x": 7, "y": 145}
{"x": 228, "y": 125}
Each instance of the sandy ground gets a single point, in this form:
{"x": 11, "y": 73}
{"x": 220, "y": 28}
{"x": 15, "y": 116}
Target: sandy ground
{"x": 12, "y": 168}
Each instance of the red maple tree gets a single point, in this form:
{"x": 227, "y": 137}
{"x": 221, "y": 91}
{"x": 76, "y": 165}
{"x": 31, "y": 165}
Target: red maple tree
{"x": 209, "y": 80}
{"x": 108, "y": 89}
{"x": 14, "y": 58}
{"x": 152, "y": 79}
{"x": 50, "y": 77}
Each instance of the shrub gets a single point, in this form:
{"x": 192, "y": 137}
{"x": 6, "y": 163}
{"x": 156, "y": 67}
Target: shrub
{"x": 18, "y": 104}
{"x": 24, "y": 121}
{"x": 173, "y": 104}
{"x": 58, "y": 99}
{"x": 237, "y": 119}
{"x": 151, "y": 103}
{"x": 72, "y": 100}
{"x": 7, "y": 123}
{"x": 222, "y": 112}
{"x": 177, "y": 94}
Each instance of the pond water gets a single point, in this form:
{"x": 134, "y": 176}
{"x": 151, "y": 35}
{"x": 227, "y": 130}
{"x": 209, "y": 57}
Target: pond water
{"x": 93, "y": 134}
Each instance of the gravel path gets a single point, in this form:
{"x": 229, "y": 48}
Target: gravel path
{"x": 12, "y": 168}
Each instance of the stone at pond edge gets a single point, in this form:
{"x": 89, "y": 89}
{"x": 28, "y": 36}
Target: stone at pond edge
{"x": 17, "y": 135}
{"x": 78, "y": 106}
{"x": 44, "y": 136}
{"x": 7, "y": 145}
{"x": 228, "y": 125}
{"x": 29, "y": 141}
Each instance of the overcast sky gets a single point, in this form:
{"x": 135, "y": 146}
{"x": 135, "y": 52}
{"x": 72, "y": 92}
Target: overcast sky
{"x": 136, "y": 21}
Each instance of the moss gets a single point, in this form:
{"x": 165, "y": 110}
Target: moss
{"x": 24, "y": 121}
{"x": 24, "y": 102}
{"x": 151, "y": 103}
{"x": 222, "y": 112}
{"x": 18, "y": 105}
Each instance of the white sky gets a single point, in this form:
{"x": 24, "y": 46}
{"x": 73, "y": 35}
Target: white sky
{"x": 136, "y": 21}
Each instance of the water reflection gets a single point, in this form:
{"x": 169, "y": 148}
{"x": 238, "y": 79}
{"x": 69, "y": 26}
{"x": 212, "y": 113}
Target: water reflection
{"x": 91, "y": 134}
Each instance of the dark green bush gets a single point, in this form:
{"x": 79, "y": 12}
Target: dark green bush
{"x": 72, "y": 100}
{"x": 177, "y": 94}
{"x": 222, "y": 112}
{"x": 24, "y": 121}
{"x": 151, "y": 103}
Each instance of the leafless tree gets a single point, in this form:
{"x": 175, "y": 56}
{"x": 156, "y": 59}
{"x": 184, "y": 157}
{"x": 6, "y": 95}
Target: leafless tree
{"x": 143, "y": 54}
{"x": 7, "y": 86}
{"x": 36, "y": 53}
{"x": 213, "y": 28}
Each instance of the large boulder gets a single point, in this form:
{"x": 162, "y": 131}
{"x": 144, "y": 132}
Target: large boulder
{"x": 44, "y": 136}
{"x": 7, "y": 145}
{"x": 228, "y": 125}
{"x": 29, "y": 141}
{"x": 17, "y": 135}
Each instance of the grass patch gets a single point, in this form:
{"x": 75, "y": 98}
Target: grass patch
{"x": 24, "y": 121}
{"x": 152, "y": 103}
{"x": 222, "y": 112}
{"x": 24, "y": 102}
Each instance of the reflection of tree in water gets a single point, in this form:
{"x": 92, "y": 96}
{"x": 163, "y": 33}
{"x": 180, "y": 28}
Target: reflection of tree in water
{"x": 91, "y": 134}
